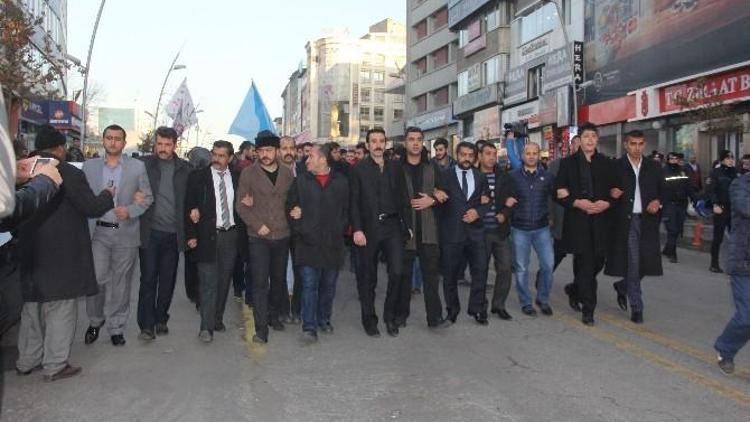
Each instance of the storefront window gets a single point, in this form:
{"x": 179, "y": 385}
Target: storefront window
{"x": 686, "y": 140}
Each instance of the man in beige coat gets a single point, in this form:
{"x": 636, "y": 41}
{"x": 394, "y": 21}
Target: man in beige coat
{"x": 261, "y": 199}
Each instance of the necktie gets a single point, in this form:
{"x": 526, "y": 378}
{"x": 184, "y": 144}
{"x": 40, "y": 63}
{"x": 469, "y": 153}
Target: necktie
{"x": 464, "y": 184}
{"x": 223, "y": 199}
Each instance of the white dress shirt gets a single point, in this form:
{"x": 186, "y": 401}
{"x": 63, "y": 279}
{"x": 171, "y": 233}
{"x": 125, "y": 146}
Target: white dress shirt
{"x": 469, "y": 180}
{"x": 637, "y": 205}
{"x": 230, "y": 195}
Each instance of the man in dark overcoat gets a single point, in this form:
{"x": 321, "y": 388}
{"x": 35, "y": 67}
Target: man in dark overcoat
{"x": 583, "y": 184}
{"x": 634, "y": 245}
{"x": 57, "y": 266}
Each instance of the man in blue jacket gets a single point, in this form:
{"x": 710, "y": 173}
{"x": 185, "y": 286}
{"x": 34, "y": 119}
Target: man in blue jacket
{"x": 737, "y": 332}
{"x": 531, "y": 189}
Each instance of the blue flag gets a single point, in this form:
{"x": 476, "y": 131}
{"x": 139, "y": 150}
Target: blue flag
{"x": 252, "y": 117}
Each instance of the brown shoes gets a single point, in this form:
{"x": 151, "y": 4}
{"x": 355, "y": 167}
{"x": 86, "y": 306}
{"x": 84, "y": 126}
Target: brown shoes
{"x": 67, "y": 372}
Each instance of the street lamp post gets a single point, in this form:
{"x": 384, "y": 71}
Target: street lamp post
{"x": 172, "y": 67}
{"x": 86, "y": 73}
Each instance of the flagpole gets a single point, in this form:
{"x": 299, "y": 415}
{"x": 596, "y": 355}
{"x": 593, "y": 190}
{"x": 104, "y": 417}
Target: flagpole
{"x": 172, "y": 67}
{"x": 87, "y": 70}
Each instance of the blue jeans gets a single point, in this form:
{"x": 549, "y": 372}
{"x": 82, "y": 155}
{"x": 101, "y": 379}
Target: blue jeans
{"x": 159, "y": 258}
{"x": 541, "y": 240}
{"x": 416, "y": 276}
{"x": 737, "y": 332}
{"x": 319, "y": 288}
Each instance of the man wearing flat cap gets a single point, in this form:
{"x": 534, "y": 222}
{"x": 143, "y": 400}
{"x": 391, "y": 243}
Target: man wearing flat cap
{"x": 57, "y": 265}
{"x": 261, "y": 201}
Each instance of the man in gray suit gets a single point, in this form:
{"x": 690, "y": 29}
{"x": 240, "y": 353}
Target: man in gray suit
{"x": 116, "y": 235}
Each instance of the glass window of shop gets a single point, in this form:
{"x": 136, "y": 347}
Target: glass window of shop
{"x": 686, "y": 140}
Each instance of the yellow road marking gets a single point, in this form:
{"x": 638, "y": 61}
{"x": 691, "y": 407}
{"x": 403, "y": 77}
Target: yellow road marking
{"x": 667, "y": 342}
{"x": 254, "y": 350}
{"x": 638, "y": 351}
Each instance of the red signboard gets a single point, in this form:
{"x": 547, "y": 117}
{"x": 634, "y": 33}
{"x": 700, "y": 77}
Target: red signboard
{"x": 727, "y": 86}
{"x": 618, "y": 110}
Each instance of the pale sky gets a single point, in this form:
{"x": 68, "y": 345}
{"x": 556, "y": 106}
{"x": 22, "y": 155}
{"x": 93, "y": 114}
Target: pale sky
{"x": 225, "y": 44}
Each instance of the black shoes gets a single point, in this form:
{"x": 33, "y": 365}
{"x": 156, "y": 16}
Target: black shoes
{"x": 587, "y": 319}
{"x": 572, "y": 300}
{"x": 672, "y": 256}
{"x": 221, "y": 328}
{"x": 725, "y": 364}
{"x": 502, "y": 314}
{"x": 162, "y": 329}
{"x": 545, "y": 308}
{"x": 529, "y": 310}
{"x": 392, "y": 329}
{"x": 146, "y": 335}
{"x": 92, "y": 333}
{"x": 118, "y": 340}
{"x": 480, "y": 317}
{"x": 716, "y": 269}
{"x": 309, "y": 337}
{"x": 260, "y": 339}
{"x": 443, "y": 323}
{"x": 326, "y": 328}
{"x": 452, "y": 317}
{"x": 276, "y": 325}
{"x": 622, "y": 300}
{"x": 637, "y": 317}
{"x": 372, "y": 331}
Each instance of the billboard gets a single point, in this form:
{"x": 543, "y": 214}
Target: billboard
{"x": 635, "y": 43}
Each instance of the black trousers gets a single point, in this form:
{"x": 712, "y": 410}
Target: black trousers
{"x": 585, "y": 285}
{"x": 501, "y": 250}
{"x": 388, "y": 239}
{"x": 475, "y": 251}
{"x": 429, "y": 263}
{"x": 673, "y": 216}
{"x": 192, "y": 281}
{"x": 269, "y": 258}
{"x": 722, "y": 222}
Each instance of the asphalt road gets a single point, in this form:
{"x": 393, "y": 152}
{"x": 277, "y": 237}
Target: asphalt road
{"x": 529, "y": 369}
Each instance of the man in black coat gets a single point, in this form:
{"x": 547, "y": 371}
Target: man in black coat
{"x": 584, "y": 183}
{"x": 634, "y": 247}
{"x": 57, "y": 265}
{"x": 162, "y": 234}
{"x": 718, "y": 191}
{"x": 678, "y": 189}
{"x": 211, "y": 232}
{"x": 381, "y": 220}
{"x": 422, "y": 177}
{"x": 462, "y": 232}
{"x": 318, "y": 206}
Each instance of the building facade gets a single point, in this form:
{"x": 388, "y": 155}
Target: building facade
{"x": 678, "y": 70}
{"x": 431, "y": 72}
{"x": 483, "y": 57}
{"x": 540, "y": 90}
{"x": 341, "y": 91}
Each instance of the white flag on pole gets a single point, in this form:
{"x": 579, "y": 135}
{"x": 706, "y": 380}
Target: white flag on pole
{"x": 182, "y": 109}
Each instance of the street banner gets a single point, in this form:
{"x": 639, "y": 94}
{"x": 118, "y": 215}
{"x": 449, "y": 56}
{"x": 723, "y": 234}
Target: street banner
{"x": 631, "y": 44}
{"x": 182, "y": 109}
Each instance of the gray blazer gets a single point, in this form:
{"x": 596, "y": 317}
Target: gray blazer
{"x": 134, "y": 179}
